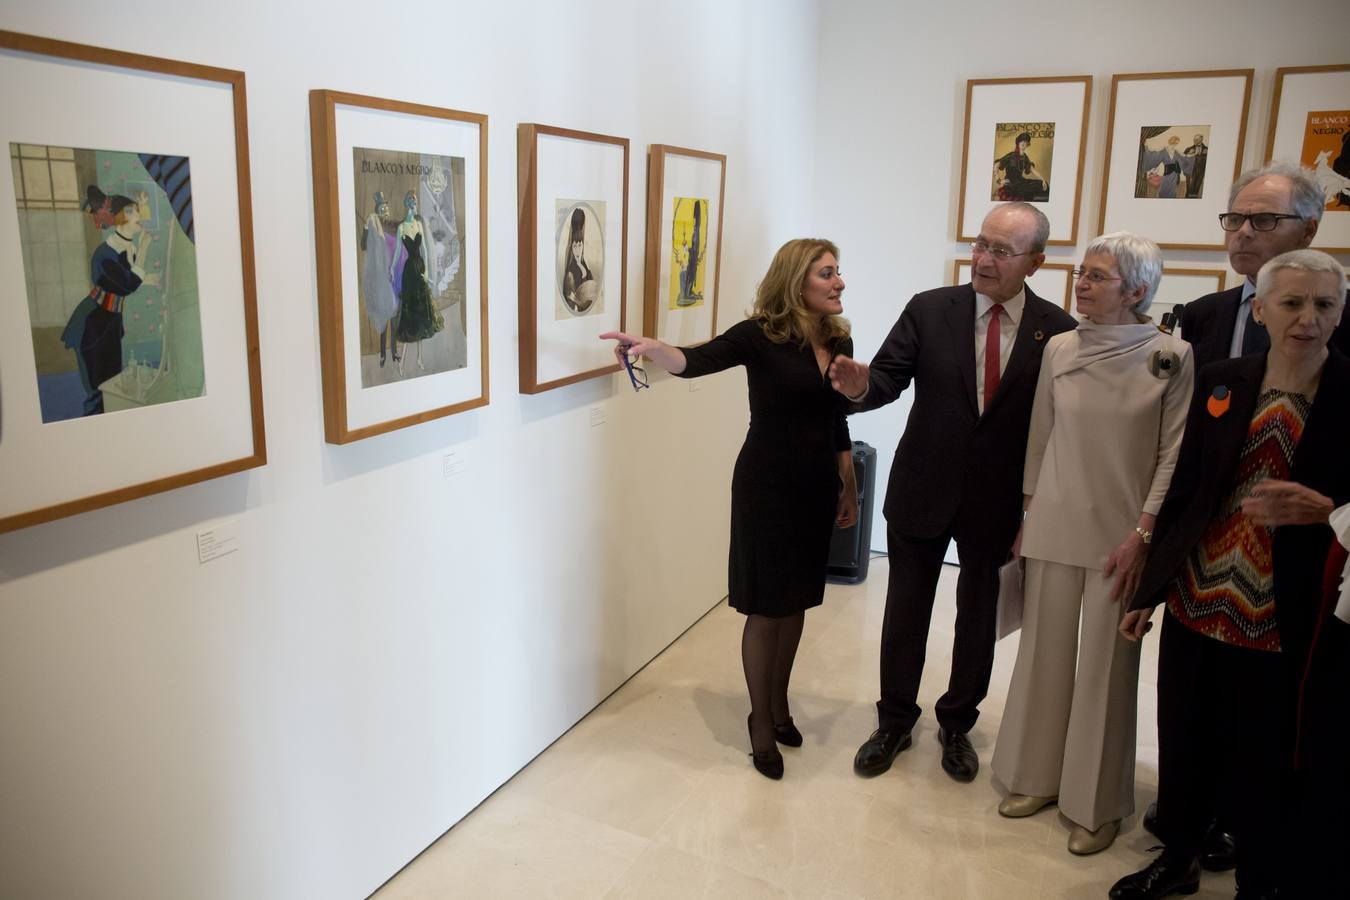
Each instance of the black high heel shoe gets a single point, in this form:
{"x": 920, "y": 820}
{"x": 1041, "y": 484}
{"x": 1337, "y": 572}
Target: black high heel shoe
{"x": 787, "y": 734}
{"x": 768, "y": 763}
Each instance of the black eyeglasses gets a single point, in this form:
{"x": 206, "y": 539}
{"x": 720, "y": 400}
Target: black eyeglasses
{"x": 1093, "y": 275}
{"x": 1231, "y": 221}
{"x": 636, "y": 373}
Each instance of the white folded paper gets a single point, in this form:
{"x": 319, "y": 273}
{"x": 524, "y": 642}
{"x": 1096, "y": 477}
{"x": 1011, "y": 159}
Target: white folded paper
{"x": 1009, "y": 614}
{"x": 1340, "y": 523}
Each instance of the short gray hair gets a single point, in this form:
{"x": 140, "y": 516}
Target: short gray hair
{"x": 1304, "y": 192}
{"x": 1314, "y": 261}
{"x": 1042, "y": 223}
{"x": 1139, "y": 260}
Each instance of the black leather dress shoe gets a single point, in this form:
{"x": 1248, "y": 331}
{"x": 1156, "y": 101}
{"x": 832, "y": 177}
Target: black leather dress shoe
{"x": 1216, "y": 853}
{"x": 1163, "y": 877}
{"x": 1150, "y": 821}
{"x": 879, "y": 751}
{"x": 958, "y": 757}
{"x": 787, "y": 734}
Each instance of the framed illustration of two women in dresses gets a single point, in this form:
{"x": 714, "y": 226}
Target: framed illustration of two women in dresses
{"x": 129, "y": 342}
{"x": 400, "y": 194}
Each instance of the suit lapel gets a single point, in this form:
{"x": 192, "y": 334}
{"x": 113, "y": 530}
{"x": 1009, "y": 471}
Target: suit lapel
{"x": 1231, "y": 428}
{"x": 1222, "y": 336}
{"x": 961, "y": 332}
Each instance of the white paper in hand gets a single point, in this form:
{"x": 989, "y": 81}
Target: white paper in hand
{"x": 1009, "y": 616}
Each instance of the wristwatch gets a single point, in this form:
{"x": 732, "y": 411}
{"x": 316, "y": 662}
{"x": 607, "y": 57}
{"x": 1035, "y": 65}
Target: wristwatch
{"x": 1144, "y": 534}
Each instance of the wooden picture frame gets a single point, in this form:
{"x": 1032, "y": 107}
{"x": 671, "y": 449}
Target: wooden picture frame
{"x": 86, "y": 422}
{"x": 1053, "y": 281}
{"x": 572, "y": 184}
{"x": 1148, "y": 161}
{"x": 1303, "y": 94}
{"x": 683, "y": 187}
{"x": 1182, "y": 284}
{"x": 421, "y": 288}
{"x": 1053, "y": 113}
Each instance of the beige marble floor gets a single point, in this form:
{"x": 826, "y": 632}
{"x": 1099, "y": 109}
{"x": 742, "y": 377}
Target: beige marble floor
{"x": 652, "y": 794}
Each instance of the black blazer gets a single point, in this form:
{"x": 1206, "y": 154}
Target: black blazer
{"x": 1204, "y": 475}
{"x": 1209, "y": 322}
{"x": 949, "y": 453}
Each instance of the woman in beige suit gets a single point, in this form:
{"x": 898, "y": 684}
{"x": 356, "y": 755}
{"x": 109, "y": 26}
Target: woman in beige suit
{"x": 1106, "y": 426}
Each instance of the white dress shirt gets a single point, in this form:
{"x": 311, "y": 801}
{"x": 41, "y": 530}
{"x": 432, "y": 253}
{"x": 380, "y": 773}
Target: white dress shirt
{"x": 1008, "y": 322}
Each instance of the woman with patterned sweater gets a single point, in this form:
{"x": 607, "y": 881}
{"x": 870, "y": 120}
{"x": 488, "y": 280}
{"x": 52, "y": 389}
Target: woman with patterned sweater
{"x": 1241, "y": 543}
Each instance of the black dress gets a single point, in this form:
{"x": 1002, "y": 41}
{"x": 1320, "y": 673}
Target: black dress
{"x": 785, "y": 489}
{"x": 419, "y": 318}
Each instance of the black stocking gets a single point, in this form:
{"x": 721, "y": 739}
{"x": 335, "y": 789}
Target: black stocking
{"x": 759, "y": 651}
{"x": 789, "y": 635}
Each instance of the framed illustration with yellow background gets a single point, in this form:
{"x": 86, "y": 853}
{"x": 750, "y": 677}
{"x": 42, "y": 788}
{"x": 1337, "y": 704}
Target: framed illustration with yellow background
{"x": 685, "y": 189}
{"x": 1310, "y": 125}
{"x": 129, "y": 348}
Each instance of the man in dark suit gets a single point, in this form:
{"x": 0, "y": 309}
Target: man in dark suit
{"x": 973, "y": 353}
{"x": 1271, "y": 210}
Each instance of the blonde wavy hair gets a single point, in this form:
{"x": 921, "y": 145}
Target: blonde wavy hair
{"x": 778, "y": 299}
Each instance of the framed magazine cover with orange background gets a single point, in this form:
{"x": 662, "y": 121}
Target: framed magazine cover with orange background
{"x": 1310, "y": 125}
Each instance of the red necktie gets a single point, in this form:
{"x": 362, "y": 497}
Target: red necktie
{"x": 991, "y": 353}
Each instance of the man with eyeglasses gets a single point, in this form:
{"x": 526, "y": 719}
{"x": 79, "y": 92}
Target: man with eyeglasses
{"x": 973, "y": 353}
{"x": 1271, "y": 210}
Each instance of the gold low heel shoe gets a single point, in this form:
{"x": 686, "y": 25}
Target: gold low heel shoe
{"x": 1018, "y": 806}
{"x": 1083, "y": 842}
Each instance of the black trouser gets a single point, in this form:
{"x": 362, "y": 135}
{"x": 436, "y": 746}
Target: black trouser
{"x": 1225, "y": 744}
{"x": 914, "y": 568}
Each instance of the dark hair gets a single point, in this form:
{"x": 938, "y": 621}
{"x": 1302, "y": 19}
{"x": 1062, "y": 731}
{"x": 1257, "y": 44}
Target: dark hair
{"x": 104, "y": 207}
{"x": 1023, "y": 137}
{"x": 578, "y": 225}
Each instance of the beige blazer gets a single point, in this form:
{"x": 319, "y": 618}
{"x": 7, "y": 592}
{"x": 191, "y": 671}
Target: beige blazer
{"x": 1106, "y": 426}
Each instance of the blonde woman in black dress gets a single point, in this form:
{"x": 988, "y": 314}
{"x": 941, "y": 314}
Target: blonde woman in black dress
{"x": 793, "y": 481}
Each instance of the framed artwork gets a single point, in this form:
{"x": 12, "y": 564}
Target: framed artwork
{"x": 129, "y": 333}
{"x": 573, "y": 253}
{"x": 1024, "y": 140}
{"x": 1180, "y": 286}
{"x": 400, "y": 224}
{"x": 1310, "y": 124}
{"x": 1173, "y": 148}
{"x": 684, "y": 243}
{"x": 1052, "y": 281}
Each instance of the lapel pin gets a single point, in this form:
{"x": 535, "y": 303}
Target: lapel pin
{"x": 1038, "y": 336}
{"x": 1164, "y": 364}
{"x": 1218, "y": 401}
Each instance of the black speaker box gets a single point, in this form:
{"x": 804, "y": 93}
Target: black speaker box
{"x": 850, "y": 547}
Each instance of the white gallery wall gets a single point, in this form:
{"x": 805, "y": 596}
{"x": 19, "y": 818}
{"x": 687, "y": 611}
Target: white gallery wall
{"x": 388, "y": 645}
{"x": 891, "y": 107}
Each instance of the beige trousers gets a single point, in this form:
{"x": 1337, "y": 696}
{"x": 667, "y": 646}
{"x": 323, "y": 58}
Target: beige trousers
{"x": 1068, "y": 726}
